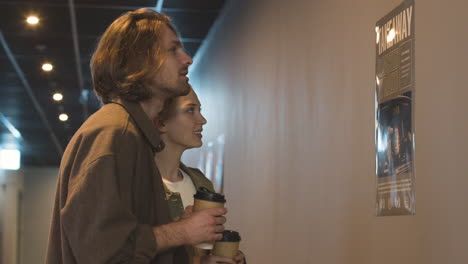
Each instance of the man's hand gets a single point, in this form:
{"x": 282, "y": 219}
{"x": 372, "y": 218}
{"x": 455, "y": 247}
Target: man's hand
{"x": 193, "y": 228}
{"x": 203, "y": 226}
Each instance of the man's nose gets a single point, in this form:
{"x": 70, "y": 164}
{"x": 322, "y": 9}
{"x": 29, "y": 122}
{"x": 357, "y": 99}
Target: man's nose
{"x": 187, "y": 60}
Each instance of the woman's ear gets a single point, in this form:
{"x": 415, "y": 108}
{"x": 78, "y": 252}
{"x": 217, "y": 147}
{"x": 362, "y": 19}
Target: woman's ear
{"x": 160, "y": 125}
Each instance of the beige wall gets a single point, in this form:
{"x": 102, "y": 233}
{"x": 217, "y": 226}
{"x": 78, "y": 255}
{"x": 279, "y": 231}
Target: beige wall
{"x": 291, "y": 85}
{"x": 38, "y": 201}
{"x": 11, "y": 190}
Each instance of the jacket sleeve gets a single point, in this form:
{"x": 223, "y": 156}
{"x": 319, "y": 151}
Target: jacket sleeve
{"x": 99, "y": 229}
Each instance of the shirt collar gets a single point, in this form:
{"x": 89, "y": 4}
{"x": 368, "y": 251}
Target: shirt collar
{"x": 142, "y": 121}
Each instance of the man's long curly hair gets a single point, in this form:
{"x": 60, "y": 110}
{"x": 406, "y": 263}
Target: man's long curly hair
{"x": 129, "y": 55}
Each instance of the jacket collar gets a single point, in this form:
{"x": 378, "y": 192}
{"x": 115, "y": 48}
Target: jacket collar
{"x": 196, "y": 179}
{"x": 142, "y": 122}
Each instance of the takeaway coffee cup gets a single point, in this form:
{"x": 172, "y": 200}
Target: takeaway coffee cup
{"x": 205, "y": 199}
{"x": 228, "y": 245}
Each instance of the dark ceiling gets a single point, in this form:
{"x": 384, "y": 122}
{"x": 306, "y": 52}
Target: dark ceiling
{"x": 26, "y": 91}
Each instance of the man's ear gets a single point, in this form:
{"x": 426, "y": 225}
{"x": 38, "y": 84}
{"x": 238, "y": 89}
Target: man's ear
{"x": 160, "y": 125}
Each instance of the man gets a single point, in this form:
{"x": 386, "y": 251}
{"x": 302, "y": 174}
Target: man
{"x": 110, "y": 205}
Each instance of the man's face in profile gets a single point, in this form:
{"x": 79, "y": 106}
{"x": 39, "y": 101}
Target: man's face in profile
{"x": 172, "y": 76}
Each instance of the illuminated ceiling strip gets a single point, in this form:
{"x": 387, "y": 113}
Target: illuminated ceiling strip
{"x": 76, "y": 49}
{"x": 209, "y": 37}
{"x": 191, "y": 40}
{"x": 10, "y": 126}
{"x": 159, "y": 6}
{"x": 30, "y": 92}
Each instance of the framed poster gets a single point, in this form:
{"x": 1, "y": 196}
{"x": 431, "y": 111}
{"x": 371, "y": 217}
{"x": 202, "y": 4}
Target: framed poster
{"x": 394, "y": 116}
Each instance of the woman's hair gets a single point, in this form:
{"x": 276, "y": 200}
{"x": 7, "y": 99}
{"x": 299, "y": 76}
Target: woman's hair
{"x": 128, "y": 56}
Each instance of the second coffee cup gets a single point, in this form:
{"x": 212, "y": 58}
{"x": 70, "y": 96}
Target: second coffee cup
{"x": 228, "y": 245}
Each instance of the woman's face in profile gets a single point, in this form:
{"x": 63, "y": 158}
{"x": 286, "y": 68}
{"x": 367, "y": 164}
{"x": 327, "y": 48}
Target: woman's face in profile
{"x": 185, "y": 125}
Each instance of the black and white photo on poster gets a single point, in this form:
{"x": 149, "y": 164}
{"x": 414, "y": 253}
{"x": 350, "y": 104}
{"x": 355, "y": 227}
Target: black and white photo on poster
{"x": 394, "y": 136}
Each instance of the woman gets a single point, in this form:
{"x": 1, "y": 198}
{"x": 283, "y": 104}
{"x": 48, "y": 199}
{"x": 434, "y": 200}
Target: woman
{"x": 180, "y": 124}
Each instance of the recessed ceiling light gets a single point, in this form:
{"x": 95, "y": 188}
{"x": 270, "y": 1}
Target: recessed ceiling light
{"x": 63, "y": 117}
{"x": 47, "y": 67}
{"x": 32, "y": 20}
{"x": 57, "y": 97}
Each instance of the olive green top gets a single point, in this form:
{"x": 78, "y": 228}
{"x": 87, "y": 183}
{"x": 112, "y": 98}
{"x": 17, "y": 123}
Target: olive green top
{"x": 174, "y": 199}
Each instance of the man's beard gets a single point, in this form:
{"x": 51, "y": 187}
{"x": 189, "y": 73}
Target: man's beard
{"x": 170, "y": 91}
{"x": 181, "y": 90}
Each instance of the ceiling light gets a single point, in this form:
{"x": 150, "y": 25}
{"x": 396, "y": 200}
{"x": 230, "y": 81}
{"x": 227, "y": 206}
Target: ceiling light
{"x": 32, "y": 20}
{"x": 63, "y": 117}
{"x": 57, "y": 97}
{"x": 47, "y": 67}
{"x": 10, "y": 159}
